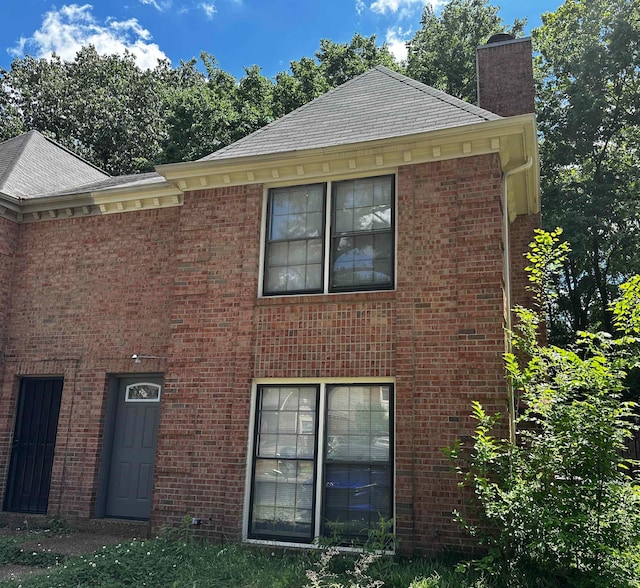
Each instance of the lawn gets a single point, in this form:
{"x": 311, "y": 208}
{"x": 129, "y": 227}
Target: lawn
{"x": 177, "y": 563}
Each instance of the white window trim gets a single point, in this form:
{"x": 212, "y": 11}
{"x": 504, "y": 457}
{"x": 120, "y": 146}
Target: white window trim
{"x": 322, "y": 383}
{"x": 327, "y": 236}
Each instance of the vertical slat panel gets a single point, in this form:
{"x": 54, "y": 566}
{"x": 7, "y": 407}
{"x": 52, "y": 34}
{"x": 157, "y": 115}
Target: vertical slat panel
{"x": 29, "y": 479}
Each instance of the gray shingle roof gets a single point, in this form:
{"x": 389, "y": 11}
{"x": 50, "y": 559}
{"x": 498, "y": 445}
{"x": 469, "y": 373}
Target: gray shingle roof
{"x": 32, "y": 165}
{"x": 378, "y": 104}
{"x": 124, "y": 182}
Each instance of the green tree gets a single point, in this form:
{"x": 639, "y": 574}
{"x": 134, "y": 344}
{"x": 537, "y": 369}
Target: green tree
{"x": 589, "y": 116}
{"x": 34, "y": 95}
{"x": 340, "y": 62}
{"x": 558, "y": 507}
{"x": 305, "y": 82}
{"x": 253, "y": 100}
{"x": 104, "y": 108}
{"x": 201, "y": 112}
{"x": 442, "y": 52}
{"x": 118, "y": 112}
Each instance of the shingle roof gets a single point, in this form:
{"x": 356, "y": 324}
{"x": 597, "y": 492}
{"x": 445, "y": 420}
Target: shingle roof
{"x": 378, "y": 104}
{"x": 32, "y": 165}
{"x": 124, "y": 182}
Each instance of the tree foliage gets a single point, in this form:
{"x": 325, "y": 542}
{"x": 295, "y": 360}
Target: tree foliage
{"x": 589, "y": 117}
{"x": 104, "y": 108}
{"x": 442, "y": 52}
{"x": 558, "y": 507}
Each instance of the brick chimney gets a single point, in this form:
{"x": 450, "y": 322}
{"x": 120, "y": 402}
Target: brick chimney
{"x": 505, "y": 75}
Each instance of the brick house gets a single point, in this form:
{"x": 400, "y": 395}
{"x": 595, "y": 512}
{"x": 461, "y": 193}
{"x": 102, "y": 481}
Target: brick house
{"x": 280, "y": 338}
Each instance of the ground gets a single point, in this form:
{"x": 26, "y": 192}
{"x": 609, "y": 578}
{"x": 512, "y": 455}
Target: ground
{"x": 64, "y": 541}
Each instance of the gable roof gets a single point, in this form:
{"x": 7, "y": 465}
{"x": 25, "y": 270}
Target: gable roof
{"x": 377, "y": 104}
{"x": 31, "y": 165}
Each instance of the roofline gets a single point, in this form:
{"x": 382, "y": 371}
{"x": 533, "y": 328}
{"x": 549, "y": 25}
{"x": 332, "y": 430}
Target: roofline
{"x": 514, "y": 139}
{"x": 91, "y": 202}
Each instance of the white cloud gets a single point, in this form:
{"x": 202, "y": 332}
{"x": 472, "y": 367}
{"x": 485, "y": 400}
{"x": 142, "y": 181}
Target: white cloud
{"x": 360, "y": 6}
{"x": 66, "y": 30}
{"x": 209, "y": 9}
{"x": 403, "y": 8}
{"x": 384, "y": 6}
{"x": 161, "y": 5}
{"x": 397, "y": 41}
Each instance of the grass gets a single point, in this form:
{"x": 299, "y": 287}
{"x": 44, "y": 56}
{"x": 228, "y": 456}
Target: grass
{"x": 165, "y": 562}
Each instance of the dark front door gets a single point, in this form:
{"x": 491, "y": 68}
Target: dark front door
{"x": 34, "y": 443}
{"x": 133, "y": 453}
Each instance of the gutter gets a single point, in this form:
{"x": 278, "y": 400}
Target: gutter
{"x": 506, "y": 260}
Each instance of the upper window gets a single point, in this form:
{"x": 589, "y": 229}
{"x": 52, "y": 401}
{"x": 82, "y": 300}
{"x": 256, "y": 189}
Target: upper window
{"x": 335, "y": 237}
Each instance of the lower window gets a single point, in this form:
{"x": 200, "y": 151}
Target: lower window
{"x": 321, "y": 462}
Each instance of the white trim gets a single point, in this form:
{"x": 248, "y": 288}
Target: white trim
{"x": 322, "y": 406}
{"x": 249, "y": 469}
{"x": 326, "y": 237}
{"x": 316, "y": 381}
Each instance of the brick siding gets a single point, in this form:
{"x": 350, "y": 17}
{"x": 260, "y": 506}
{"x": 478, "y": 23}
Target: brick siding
{"x": 182, "y": 284}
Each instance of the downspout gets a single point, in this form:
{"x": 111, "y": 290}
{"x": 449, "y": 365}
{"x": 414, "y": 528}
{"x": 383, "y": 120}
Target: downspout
{"x": 507, "y": 282}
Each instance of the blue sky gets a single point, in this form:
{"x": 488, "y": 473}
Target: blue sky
{"x": 268, "y": 33}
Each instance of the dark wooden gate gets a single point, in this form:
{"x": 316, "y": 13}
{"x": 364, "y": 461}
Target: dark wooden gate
{"x": 34, "y": 442}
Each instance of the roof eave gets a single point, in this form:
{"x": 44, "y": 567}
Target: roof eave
{"x": 513, "y": 138}
{"x": 92, "y": 202}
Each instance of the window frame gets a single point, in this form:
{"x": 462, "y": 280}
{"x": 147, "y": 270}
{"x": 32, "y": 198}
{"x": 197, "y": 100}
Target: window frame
{"x": 328, "y": 236}
{"x": 268, "y": 242}
{"x": 255, "y": 457}
{"x": 320, "y": 459}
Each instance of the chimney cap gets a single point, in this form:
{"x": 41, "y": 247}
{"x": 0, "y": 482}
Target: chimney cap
{"x": 500, "y": 38}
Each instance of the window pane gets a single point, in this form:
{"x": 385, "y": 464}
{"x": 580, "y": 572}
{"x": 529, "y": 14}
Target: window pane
{"x": 294, "y": 266}
{"x": 381, "y": 216}
{"x": 360, "y": 433}
{"x": 283, "y": 499}
{"x": 362, "y": 234}
{"x": 357, "y": 483}
{"x": 295, "y": 236}
{"x": 296, "y": 213}
{"x": 362, "y": 260}
{"x": 283, "y": 484}
{"x": 356, "y": 498}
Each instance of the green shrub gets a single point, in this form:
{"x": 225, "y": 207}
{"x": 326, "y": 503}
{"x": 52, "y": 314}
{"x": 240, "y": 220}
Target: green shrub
{"x": 558, "y": 507}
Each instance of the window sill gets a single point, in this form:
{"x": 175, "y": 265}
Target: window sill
{"x": 315, "y": 545}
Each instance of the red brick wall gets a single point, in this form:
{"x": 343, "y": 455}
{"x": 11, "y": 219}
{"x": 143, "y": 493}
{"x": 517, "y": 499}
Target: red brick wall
{"x": 521, "y": 234}
{"x": 449, "y": 332}
{"x": 86, "y": 294}
{"x": 201, "y": 462}
{"x": 440, "y": 335}
{"x": 182, "y": 284}
{"x": 505, "y": 77}
{"x": 8, "y": 237}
